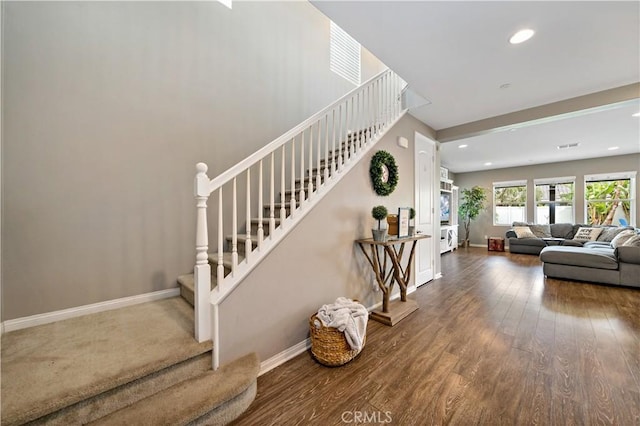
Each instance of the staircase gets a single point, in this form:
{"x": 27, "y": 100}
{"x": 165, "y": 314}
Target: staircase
{"x": 134, "y": 365}
{"x": 186, "y": 282}
{"x": 300, "y": 167}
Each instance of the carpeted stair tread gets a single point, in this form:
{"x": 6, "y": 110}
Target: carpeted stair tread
{"x": 187, "y": 283}
{"x": 191, "y": 399}
{"x": 52, "y": 366}
{"x": 265, "y": 222}
{"x": 226, "y": 259}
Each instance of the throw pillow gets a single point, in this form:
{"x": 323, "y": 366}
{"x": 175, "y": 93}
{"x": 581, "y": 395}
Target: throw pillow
{"x": 587, "y": 234}
{"x": 622, "y": 237}
{"x": 632, "y": 242}
{"x": 563, "y": 230}
{"x": 541, "y": 231}
{"x": 523, "y": 232}
{"x": 608, "y": 233}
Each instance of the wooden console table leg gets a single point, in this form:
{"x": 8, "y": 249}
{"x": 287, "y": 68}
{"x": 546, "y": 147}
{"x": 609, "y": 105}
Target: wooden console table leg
{"x": 380, "y": 273}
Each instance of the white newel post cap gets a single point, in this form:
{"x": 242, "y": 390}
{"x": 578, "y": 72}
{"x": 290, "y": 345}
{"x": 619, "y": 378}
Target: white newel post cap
{"x": 201, "y": 168}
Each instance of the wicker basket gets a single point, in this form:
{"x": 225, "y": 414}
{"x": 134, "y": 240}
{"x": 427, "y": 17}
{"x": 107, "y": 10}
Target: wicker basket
{"x": 329, "y": 346}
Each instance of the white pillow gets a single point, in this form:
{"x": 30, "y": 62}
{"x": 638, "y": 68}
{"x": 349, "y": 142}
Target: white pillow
{"x": 622, "y": 237}
{"x": 587, "y": 234}
{"x": 524, "y": 232}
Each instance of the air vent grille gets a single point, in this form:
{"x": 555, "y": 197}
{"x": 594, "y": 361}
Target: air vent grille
{"x": 569, "y": 145}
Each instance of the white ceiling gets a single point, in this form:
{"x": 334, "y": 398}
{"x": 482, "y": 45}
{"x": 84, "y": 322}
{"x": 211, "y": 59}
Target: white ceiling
{"x": 457, "y": 55}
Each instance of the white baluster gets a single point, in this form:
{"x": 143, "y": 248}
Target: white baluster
{"x": 333, "y": 145}
{"x": 202, "y": 269}
{"x": 260, "y": 207}
{"x": 302, "y": 195}
{"x": 220, "y": 268}
{"x": 366, "y": 111}
{"x": 234, "y": 227}
{"x": 247, "y": 242}
{"x": 326, "y": 148}
{"x": 385, "y": 91}
{"x": 319, "y": 145}
{"x": 353, "y": 124}
{"x": 398, "y": 94}
{"x": 293, "y": 177}
{"x": 340, "y": 157}
{"x": 347, "y": 141}
{"x": 371, "y": 120}
{"x": 310, "y": 185}
{"x": 350, "y": 134}
{"x": 377, "y": 105}
{"x": 283, "y": 210}
{"x": 272, "y": 191}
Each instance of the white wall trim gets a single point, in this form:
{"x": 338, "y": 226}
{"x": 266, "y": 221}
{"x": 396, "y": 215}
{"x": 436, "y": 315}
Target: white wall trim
{"x": 284, "y": 356}
{"x": 49, "y": 317}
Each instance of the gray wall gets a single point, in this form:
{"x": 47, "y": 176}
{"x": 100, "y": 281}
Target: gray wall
{"x": 318, "y": 261}
{"x": 108, "y": 106}
{"x": 483, "y": 225}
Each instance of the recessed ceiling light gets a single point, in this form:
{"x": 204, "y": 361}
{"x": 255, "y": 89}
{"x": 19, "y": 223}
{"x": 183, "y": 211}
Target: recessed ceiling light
{"x": 521, "y": 36}
{"x": 488, "y": 163}
{"x": 637, "y": 114}
{"x": 613, "y": 148}
{"x": 463, "y": 146}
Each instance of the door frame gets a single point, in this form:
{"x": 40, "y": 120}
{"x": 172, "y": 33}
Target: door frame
{"x": 435, "y": 179}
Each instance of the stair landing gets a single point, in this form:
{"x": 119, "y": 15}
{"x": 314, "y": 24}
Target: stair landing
{"x": 52, "y": 366}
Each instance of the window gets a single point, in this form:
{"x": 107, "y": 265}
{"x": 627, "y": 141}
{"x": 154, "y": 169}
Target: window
{"x": 609, "y": 198}
{"x": 555, "y": 200}
{"x": 344, "y": 55}
{"x": 510, "y": 202}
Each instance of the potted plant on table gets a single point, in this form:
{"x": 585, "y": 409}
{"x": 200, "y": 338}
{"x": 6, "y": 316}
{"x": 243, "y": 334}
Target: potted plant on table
{"x": 379, "y": 213}
{"x": 471, "y": 205}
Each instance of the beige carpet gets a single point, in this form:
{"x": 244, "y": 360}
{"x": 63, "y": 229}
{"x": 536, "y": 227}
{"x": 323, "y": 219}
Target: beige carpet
{"x": 51, "y": 366}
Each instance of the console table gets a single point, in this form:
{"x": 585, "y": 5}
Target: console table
{"x": 392, "y": 251}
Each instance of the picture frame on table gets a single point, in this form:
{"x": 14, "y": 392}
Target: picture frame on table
{"x": 403, "y": 222}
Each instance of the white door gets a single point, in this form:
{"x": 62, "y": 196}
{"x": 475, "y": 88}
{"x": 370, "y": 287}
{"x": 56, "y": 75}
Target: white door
{"x": 424, "y": 220}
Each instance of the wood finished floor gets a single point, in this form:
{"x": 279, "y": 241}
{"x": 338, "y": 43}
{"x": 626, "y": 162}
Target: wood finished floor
{"x": 493, "y": 342}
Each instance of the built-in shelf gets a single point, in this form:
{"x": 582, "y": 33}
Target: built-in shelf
{"x": 448, "y": 219}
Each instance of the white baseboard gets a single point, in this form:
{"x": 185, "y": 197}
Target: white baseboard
{"x": 49, "y": 317}
{"x": 295, "y": 350}
{"x": 438, "y": 276}
{"x": 284, "y": 356}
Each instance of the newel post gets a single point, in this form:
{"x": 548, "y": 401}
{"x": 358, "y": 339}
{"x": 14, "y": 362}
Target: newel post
{"x": 202, "y": 270}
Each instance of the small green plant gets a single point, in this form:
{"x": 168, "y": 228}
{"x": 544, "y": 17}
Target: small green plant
{"x": 412, "y": 213}
{"x": 379, "y": 213}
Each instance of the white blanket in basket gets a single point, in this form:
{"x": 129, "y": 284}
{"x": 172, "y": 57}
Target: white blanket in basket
{"x": 347, "y": 316}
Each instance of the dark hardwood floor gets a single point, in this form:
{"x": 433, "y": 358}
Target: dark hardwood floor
{"x": 493, "y": 342}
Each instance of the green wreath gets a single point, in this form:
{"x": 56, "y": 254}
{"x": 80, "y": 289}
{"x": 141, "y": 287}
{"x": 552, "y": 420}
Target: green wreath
{"x": 384, "y": 173}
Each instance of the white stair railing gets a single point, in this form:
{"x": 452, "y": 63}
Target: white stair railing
{"x": 318, "y": 151}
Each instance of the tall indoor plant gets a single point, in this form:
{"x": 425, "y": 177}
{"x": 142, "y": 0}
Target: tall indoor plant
{"x": 472, "y": 203}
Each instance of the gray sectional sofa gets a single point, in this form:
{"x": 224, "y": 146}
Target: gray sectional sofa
{"x": 611, "y": 258}
{"x": 594, "y": 263}
{"x": 546, "y": 235}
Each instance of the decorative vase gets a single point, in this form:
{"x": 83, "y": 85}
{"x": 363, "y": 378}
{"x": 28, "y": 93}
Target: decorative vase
{"x": 412, "y": 230}
{"x": 379, "y": 235}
